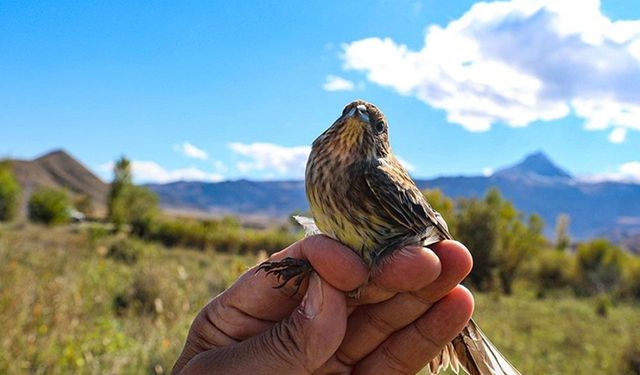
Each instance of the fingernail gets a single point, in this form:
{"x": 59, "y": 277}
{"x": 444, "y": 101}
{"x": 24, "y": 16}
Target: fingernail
{"x": 312, "y": 301}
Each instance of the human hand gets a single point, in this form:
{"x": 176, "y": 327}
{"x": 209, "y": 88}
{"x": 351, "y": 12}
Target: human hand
{"x": 409, "y": 310}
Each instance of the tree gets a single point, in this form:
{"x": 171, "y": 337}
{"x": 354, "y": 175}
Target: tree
{"x": 499, "y": 240}
{"x": 49, "y": 206}
{"x": 142, "y": 206}
{"x": 518, "y": 243}
{"x": 122, "y": 180}
{"x": 599, "y": 266}
{"x": 477, "y": 229}
{"x": 443, "y": 205}
{"x": 563, "y": 241}
{"x": 9, "y": 193}
{"x": 130, "y": 204}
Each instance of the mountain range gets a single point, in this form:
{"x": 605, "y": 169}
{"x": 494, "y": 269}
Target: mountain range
{"x": 534, "y": 185}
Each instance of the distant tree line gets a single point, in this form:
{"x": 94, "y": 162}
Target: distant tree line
{"x": 136, "y": 208}
{"x": 509, "y": 247}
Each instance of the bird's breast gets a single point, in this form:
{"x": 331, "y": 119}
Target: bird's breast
{"x": 344, "y": 208}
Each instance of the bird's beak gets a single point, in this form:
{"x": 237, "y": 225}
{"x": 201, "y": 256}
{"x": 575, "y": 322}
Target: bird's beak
{"x": 359, "y": 111}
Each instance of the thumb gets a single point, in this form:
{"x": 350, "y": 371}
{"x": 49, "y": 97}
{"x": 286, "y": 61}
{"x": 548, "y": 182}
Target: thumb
{"x": 300, "y": 344}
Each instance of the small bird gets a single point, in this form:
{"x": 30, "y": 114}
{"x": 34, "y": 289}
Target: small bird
{"x": 361, "y": 195}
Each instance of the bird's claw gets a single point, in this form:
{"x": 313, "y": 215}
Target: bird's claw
{"x": 287, "y": 269}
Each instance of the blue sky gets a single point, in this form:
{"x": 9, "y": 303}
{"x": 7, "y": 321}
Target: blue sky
{"x": 224, "y": 90}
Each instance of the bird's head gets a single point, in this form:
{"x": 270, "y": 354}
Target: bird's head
{"x": 361, "y": 131}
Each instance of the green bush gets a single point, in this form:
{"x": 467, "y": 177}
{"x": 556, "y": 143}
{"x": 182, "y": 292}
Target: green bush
{"x": 604, "y": 304}
{"x": 599, "y": 267}
{"x": 125, "y": 251}
{"x": 477, "y": 226}
{"x": 552, "y": 271}
{"x": 630, "y": 287}
{"x": 134, "y": 205}
{"x": 149, "y": 294}
{"x": 9, "y": 193}
{"x": 49, "y": 206}
{"x": 224, "y": 235}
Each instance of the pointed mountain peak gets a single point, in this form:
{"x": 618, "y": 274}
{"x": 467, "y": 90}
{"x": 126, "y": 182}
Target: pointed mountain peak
{"x": 536, "y": 164}
{"x": 56, "y": 154}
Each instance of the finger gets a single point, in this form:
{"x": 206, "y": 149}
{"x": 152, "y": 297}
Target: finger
{"x": 407, "y": 269}
{"x": 457, "y": 263}
{"x": 252, "y": 305}
{"x": 370, "y": 325}
{"x": 299, "y": 344}
{"x": 410, "y": 349}
{"x": 254, "y": 292}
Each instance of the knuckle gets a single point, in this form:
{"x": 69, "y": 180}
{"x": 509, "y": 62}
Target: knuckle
{"x": 285, "y": 345}
{"x": 426, "y": 336}
{"x": 395, "y": 364}
{"x": 377, "y": 322}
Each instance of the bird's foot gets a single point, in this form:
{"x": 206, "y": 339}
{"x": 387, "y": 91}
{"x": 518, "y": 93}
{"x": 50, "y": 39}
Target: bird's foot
{"x": 287, "y": 269}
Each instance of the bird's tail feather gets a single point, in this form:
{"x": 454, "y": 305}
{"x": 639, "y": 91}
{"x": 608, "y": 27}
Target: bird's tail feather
{"x": 472, "y": 351}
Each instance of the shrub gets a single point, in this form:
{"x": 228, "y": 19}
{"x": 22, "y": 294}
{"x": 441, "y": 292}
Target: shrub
{"x": 477, "y": 226}
{"x": 603, "y": 305}
{"x": 9, "y": 193}
{"x": 149, "y": 294}
{"x": 130, "y": 204}
{"x": 599, "y": 267}
{"x": 49, "y": 206}
{"x": 630, "y": 287}
{"x": 552, "y": 271}
{"x": 125, "y": 251}
{"x": 134, "y": 205}
{"x": 224, "y": 235}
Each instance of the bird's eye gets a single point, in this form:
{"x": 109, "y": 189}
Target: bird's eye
{"x": 380, "y": 126}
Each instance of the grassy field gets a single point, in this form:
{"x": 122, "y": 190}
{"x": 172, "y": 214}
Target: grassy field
{"x": 79, "y": 300}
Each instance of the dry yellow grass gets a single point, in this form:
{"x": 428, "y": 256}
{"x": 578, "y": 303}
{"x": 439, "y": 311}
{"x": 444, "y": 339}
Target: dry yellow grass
{"x": 70, "y": 304}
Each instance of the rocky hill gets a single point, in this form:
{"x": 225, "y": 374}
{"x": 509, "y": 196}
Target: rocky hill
{"x": 60, "y": 170}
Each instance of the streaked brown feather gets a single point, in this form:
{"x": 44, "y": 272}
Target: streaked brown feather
{"x": 350, "y": 167}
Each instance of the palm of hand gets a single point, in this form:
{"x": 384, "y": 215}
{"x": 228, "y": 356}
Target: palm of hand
{"x": 410, "y": 308}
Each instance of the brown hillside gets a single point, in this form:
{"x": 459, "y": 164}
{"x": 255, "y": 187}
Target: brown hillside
{"x": 60, "y": 170}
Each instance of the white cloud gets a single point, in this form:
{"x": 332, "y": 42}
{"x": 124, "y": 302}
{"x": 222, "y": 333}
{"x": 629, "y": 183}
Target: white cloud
{"x": 145, "y": 171}
{"x": 191, "y": 151}
{"x": 618, "y": 135}
{"x": 517, "y": 62}
{"x": 487, "y": 171}
{"x": 627, "y": 172}
{"x": 335, "y": 83}
{"x": 283, "y": 161}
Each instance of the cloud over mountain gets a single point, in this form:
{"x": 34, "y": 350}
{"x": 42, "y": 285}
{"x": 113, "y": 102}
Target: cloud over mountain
{"x": 147, "y": 171}
{"x": 515, "y": 63}
{"x": 283, "y": 161}
{"x": 191, "y": 151}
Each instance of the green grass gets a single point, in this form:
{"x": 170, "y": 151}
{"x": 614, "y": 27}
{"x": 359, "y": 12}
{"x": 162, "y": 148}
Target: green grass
{"x": 561, "y": 335}
{"x": 61, "y": 302}
{"x": 75, "y": 300}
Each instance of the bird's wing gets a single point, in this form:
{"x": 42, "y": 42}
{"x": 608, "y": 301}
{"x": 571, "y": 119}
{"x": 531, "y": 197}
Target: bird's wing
{"x": 472, "y": 351}
{"x": 399, "y": 196}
